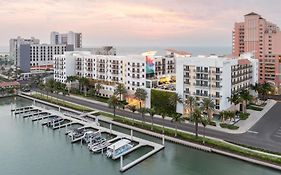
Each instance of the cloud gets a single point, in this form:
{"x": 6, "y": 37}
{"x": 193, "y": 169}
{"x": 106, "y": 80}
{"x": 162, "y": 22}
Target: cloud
{"x": 175, "y": 22}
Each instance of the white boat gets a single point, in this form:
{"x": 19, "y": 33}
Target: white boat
{"x": 98, "y": 148}
{"x": 95, "y": 142}
{"x": 120, "y": 147}
{"x": 91, "y": 135}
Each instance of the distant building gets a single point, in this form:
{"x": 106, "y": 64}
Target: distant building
{"x": 214, "y": 77}
{"x": 39, "y": 56}
{"x": 263, "y": 39}
{"x": 15, "y": 45}
{"x": 70, "y": 38}
{"x": 105, "y": 50}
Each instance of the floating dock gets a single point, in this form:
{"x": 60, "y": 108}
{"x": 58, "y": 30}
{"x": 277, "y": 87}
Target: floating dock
{"x": 39, "y": 113}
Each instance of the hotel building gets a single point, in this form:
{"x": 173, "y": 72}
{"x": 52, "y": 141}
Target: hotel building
{"x": 15, "y": 45}
{"x": 39, "y": 56}
{"x": 214, "y": 77}
{"x": 263, "y": 39}
{"x": 70, "y": 38}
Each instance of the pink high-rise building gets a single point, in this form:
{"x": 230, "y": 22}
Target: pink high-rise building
{"x": 263, "y": 39}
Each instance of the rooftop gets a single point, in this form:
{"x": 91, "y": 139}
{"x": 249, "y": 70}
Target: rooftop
{"x": 8, "y": 84}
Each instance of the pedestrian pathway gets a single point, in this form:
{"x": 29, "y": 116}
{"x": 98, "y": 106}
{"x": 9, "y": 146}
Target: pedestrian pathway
{"x": 244, "y": 125}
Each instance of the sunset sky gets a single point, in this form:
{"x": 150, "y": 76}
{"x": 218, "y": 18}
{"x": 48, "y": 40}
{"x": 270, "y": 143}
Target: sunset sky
{"x": 132, "y": 23}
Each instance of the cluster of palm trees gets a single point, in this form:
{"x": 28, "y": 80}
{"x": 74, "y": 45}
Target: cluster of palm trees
{"x": 262, "y": 89}
{"x": 242, "y": 97}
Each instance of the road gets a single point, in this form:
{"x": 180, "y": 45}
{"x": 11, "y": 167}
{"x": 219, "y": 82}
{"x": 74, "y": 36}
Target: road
{"x": 265, "y": 134}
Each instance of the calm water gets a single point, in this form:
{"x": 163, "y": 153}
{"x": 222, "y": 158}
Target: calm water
{"x": 27, "y": 148}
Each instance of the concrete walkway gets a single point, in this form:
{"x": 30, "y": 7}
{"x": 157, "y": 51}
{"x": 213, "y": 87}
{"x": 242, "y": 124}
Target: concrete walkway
{"x": 244, "y": 125}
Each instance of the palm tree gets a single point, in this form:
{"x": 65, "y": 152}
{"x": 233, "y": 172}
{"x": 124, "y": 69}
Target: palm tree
{"x": 98, "y": 87}
{"x": 71, "y": 79}
{"x": 50, "y": 86}
{"x": 196, "y": 116}
{"x": 84, "y": 83}
{"x": 140, "y": 95}
{"x": 264, "y": 89}
{"x": 234, "y": 99}
{"x": 151, "y": 112}
{"x": 177, "y": 118}
{"x": 208, "y": 106}
{"x": 143, "y": 111}
{"x": 113, "y": 102}
{"x": 231, "y": 115}
{"x": 174, "y": 99}
{"x": 204, "y": 122}
{"x": 245, "y": 97}
{"x": 133, "y": 109}
{"x": 120, "y": 91}
{"x": 163, "y": 114}
{"x": 223, "y": 116}
{"x": 190, "y": 102}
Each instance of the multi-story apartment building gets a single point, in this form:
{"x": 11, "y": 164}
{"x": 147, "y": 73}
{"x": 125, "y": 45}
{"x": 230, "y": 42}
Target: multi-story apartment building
{"x": 15, "y": 44}
{"x": 214, "y": 77}
{"x": 39, "y": 56}
{"x": 128, "y": 70}
{"x": 70, "y": 38}
{"x": 263, "y": 39}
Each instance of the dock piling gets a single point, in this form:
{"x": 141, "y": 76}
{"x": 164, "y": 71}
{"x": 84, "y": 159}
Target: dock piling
{"x": 110, "y": 127}
{"x": 131, "y": 134}
{"x": 163, "y": 139}
{"x": 121, "y": 163}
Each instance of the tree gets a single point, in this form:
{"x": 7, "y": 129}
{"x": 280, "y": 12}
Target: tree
{"x": 174, "y": 99}
{"x": 98, "y": 87}
{"x": 231, "y": 115}
{"x": 151, "y": 112}
{"x": 133, "y": 109}
{"x": 245, "y": 98}
{"x": 120, "y": 91}
{"x": 208, "y": 106}
{"x": 177, "y": 118}
{"x": 204, "y": 122}
{"x": 163, "y": 114}
{"x": 234, "y": 99}
{"x": 50, "y": 86}
{"x": 222, "y": 116}
{"x": 113, "y": 102}
{"x": 140, "y": 95}
{"x": 196, "y": 116}
{"x": 191, "y": 103}
{"x": 143, "y": 111}
{"x": 83, "y": 84}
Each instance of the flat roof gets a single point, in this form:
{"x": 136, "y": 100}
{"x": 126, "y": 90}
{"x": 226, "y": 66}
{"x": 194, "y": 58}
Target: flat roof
{"x": 119, "y": 144}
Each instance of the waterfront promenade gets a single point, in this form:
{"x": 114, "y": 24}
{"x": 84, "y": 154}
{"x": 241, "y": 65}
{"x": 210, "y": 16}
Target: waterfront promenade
{"x": 258, "y": 139}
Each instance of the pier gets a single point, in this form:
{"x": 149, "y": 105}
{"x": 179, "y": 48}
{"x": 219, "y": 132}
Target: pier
{"x": 88, "y": 121}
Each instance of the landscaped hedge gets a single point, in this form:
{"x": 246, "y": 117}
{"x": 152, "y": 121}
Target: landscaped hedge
{"x": 255, "y": 108}
{"x": 212, "y": 123}
{"x": 243, "y": 116}
{"x": 62, "y": 103}
{"x": 228, "y": 126}
{"x": 160, "y": 101}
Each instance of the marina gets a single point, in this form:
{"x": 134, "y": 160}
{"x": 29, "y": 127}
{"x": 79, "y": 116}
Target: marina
{"x": 34, "y": 149}
{"x": 117, "y": 147}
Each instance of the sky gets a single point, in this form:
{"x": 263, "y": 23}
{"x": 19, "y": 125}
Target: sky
{"x": 132, "y": 22}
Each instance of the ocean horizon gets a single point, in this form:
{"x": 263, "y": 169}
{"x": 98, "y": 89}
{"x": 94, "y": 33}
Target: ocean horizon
{"x": 136, "y": 50}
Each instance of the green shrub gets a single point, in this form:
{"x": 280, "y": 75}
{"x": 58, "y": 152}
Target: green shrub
{"x": 212, "y": 123}
{"x": 243, "y": 116}
{"x": 62, "y": 103}
{"x": 228, "y": 126}
{"x": 255, "y": 108}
